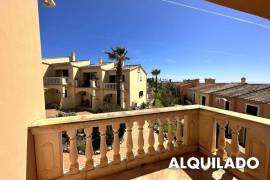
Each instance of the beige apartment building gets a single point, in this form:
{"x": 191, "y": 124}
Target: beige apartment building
{"x": 69, "y": 84}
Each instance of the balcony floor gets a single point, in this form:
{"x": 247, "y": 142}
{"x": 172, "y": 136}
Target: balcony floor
{"x": 160, "y": 171}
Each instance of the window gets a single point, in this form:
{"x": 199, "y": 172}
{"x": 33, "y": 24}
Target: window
{"x": 66, "y": 94}
{"x": 203, "y": 100}
{"x": 252, "y": 110}
{"x": 140, "y": 93}
{"x": 65, "y": 73}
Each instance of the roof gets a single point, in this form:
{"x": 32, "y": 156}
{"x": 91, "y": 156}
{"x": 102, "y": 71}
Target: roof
{"x": 219, "y": 87}
{"x": 242, "y": 90}
{"x": 258, "y": 7}
{"x": 258, "y": 96}
{"x": 131, "y": 67}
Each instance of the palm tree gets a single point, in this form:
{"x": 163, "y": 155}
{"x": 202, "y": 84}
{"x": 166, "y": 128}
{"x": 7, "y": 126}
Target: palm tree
{"x": 118, "y": 55}
{"x": 156, "y": 72}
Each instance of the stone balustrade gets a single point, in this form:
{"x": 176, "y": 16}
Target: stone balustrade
{"x": 196, "y": 130}
{"x": 56, "y": 80}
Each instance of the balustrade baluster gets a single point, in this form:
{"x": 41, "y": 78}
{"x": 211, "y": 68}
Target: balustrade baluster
{"x": 73, "y": 153}
{"x": 89, "y": 152}
{"x": 235, "y": 142}
{"x": 140, "y": 152}
{"x": 130, "y": 155}
{"x": 170, "y": 135}
{"x": 116, "y": 144}
{"x": 161, "y": 147}
{"x": 151, "y": 139}
{"x": 103, "y": 147}
{"x": 221, "y": 140}
{"x": 179, "y": 132}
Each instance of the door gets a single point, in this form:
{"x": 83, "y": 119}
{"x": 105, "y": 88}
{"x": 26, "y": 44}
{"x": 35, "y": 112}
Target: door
{"x": 203, "y": 100}
{"x": 227, "y": 105}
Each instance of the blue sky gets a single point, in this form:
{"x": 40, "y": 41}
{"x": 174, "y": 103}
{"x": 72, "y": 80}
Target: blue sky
{"x": 183, "y": 38}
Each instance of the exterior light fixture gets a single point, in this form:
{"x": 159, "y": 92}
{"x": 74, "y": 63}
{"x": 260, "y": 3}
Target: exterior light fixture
{"x": 49, "y": 3}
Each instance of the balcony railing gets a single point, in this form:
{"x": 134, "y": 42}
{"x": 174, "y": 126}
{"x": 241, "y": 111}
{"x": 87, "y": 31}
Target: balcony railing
{"x": 112, "y": 86}
{"x": 195, "y": 131}
{"x": 56, "y": 81}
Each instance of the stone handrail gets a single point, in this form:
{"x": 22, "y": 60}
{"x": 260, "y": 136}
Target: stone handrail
{"x": 112, "y": 86}
{"x": 196, "y": 130}
{"x": 56, "y": 80}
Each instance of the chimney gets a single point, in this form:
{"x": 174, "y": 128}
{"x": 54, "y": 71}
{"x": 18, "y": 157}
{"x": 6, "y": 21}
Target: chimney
{"x": 100, "y": 61}
{"x": 72, "y": 57}
{"x": 209, "y": 81}
{"x": 195, "y": 82}
{"x": 243, "y": 80}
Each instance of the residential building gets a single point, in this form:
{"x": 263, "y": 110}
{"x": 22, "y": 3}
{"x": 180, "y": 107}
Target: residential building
{"x": 70, "y": 83}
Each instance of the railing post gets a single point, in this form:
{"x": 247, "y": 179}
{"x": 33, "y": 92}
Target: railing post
{"x": 89, "y": 152}
{"x": 48, "y": 145}
{"x": 221, "y": 140}
{"x": 179, "y": 131}
{"x": 116, "y": 144}
{"x": 151, "y": 139}
{"x": 73, "y": 154}
{"x": 103, "y": 147}
{"x": 170, "y": 146}
{"x": 130, "y": 155}
{"x": 235, "y": 142}
{"x": 161, "y": 147}
{"x": 141, "y": 152}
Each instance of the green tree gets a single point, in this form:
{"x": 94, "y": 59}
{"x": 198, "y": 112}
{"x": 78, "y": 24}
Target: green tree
{"x": 118, "y": 55}
{"x": 156, "y": 72}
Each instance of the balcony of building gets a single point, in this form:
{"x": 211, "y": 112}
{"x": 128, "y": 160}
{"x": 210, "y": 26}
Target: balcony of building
{"x": 113, "y": 86}
{"x": 56, "y": 81}
{"x": 146, "y": 146}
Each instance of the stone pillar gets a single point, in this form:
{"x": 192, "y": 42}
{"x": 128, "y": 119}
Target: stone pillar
{"x": 130, "y": 155}
{"x": 73, "y": 154}
{"x": 151, "y": 139}
{"x": 116, "y": 144}
{"x": 89, "y": 152}
{"x": 141, "y": 152}
{"x": 221, "y": 140}
{"x": 103, "y": 147}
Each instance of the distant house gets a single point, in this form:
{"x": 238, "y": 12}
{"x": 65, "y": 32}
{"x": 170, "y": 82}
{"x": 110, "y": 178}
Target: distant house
{"x": 71, "y": 84}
